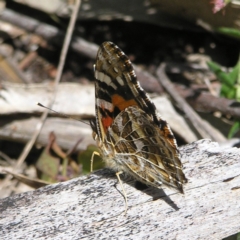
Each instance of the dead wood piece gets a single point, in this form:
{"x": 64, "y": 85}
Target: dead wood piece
{"x": 205, "y": 130}
{"x": 90, "y": 207}
{"x": 175, "y": 120}
{"x": 79, "y": 45}
{"x": 40, "y": 124}
{"x": 67, "y": 131}
{"x": 193, "y": 11}
{"x": 148, "y": 81}
{"x": 71, "y": 98}
{"x": 76, "y": 100}
{"x": 205, "y": 102}
{"x": 48, "y": 32}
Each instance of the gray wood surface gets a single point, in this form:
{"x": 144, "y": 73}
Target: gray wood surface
{"x": 92, "y": 207}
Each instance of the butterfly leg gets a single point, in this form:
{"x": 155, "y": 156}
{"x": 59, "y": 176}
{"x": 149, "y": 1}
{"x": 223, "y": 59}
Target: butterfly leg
{"x": 92, "y": 158}
{"x": 123, "y": 190}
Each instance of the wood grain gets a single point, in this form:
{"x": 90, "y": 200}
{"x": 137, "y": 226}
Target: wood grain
{"x": 92, "y": 207}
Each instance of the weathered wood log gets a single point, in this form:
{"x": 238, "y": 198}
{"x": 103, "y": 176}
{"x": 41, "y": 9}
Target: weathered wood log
{"x": 80, "y": 101}
{"x": 92, "y": 207}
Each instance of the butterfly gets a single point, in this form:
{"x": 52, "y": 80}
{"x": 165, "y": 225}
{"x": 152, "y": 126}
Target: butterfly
{"x": 130, "y": 134}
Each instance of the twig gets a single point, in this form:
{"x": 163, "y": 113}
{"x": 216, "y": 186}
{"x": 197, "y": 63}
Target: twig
{"x": 204, "y": 130}
{"x": 6, "y": 158}
{"x": 56, "y": 82}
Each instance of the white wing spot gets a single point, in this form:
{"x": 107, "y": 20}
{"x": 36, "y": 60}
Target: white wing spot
{"x": 120, "y": 81}
{"x": 104, "y": 78}
{"x": 102, "y": 103}
{"x": 95, "y": 72}
{"x": 113, "y": 85}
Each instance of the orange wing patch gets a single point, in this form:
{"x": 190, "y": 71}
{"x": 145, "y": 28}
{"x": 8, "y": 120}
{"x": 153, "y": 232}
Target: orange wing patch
{"x": 106, "y": 122}
{"x": 121, "y": 103}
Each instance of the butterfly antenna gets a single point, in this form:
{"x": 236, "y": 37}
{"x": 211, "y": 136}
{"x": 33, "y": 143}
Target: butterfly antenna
{"x": 62, "y": 114}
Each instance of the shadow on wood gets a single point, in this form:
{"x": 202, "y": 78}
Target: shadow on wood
{"x": 91, "y": 207}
